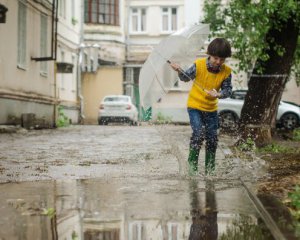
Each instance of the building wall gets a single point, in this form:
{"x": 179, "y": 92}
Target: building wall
{"x": 107, "y": 80}
{"x": 140, "y": 44}
{"x": 24, "y": 87}
{"x": 291, "y": 92}
{"x": 69, "y": 30}
{"x": 102, "y": 66}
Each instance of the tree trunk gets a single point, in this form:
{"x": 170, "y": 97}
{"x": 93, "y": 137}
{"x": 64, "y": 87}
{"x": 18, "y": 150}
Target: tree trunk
{"x": 265, "y": 89}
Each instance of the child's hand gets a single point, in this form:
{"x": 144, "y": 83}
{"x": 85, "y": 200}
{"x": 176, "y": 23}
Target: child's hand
{"x": 175, "y": 66}
{"x": 213, "y": 93}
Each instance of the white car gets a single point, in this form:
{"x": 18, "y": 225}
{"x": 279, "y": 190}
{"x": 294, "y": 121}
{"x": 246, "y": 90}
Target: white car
{"x": 229, "y": 110}
{"x": 117, "y": 108}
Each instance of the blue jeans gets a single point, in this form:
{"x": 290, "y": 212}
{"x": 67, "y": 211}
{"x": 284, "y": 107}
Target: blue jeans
{"x": 204, "y": 126}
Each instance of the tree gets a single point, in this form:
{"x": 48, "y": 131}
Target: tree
{"x": 265, "y": 36}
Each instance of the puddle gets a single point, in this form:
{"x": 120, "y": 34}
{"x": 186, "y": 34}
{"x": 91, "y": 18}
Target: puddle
{"x": 133, "y": 209}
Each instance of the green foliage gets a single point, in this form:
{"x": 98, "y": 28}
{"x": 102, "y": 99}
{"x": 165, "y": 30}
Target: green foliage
{"x": 275, "y": 148}
{"x": 74, "y": 236}
{"x": 245, "y": 228}
{"x": 296, "y": 67}
{"x": 161, "y": 119}
{"x": 63, "y": 120}
{"x": 296, "y": 134}
{"x": 146, "y": 114}
{"x": 247, "y": 146}
{"x": 295, "y": 197}
{"x": 74, "y": 21}
{"x": 50, "y": 212}
{"x": 295, "y": 207}
{"x": 246, "y": 24}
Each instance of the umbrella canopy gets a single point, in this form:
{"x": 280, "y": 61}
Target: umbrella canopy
{"x": 156, "y": 76}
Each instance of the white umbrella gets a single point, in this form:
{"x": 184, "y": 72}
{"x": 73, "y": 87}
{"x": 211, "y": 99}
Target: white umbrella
{"x": 156, "y": 76}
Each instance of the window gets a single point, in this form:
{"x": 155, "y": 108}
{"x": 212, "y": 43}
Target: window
{"x": 43, "y": 44}
{"x": 173, "y": 231}
{"x": 85, "y": 62}
{"x": 136, "y": 231}
{"x": 74, "y": 73}
{"x": 22, "y": 34}
{"x": 131, "y": 82}
{"x": 101, "y": 11}
{"x": 62, "y": 8}
{"x": 73, "y": 9}
{"x": 62, "y": 59}
{"x": 138, "y": 20}
{"x": 169, "y": 19}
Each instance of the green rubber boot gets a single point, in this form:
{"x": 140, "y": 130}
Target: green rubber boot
{"x": 210, "y": 158}
{"x": 193, "y": 161}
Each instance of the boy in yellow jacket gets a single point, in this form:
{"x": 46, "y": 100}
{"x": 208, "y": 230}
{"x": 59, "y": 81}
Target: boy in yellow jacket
{"x": 212, "y": 81}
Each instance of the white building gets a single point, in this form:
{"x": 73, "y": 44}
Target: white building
{"x": 148, "y": 23}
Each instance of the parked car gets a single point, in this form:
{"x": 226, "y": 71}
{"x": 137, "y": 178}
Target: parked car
{"x": 229, "y": 109}
{"x": 117, "y": 108}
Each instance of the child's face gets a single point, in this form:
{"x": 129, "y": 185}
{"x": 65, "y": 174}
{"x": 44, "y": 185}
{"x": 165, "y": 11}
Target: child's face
{"x": 216, "y": 61}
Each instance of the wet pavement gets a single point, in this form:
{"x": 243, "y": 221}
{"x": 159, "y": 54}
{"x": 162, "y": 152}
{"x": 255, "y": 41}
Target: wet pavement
{"x": 121, "y": 182}
{"x": 134, "y": 208}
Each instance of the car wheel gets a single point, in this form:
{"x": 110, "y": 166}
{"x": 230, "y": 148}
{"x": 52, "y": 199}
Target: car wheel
{"x": 102, "y": 122}
{"x": 227, "y": 120}
{"x": 289, "y": 121}
{"x": 132, "y": 123}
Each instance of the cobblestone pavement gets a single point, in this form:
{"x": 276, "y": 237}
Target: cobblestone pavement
{"x": 80, "y": 152}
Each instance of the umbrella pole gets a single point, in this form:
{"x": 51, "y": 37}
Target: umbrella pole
{"x": 181, "y": 71}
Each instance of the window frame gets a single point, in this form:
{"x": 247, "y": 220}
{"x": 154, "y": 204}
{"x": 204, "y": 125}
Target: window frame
{"x": 62, "y": 8}
{"x": 169, "y": 14}
{"x": 110, "y": 14}
{"x": 62, "y": 78}
{"x": 141, "y": 20}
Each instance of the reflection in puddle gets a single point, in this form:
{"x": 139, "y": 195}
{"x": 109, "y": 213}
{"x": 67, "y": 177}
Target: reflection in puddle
{"x": 131, "y": 209}
{"x": 204, "y": 217}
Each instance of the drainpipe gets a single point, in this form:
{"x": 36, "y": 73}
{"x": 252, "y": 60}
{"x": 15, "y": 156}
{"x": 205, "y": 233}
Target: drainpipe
{"x": 79, "y": 63}
{"x": 55, "y": 96}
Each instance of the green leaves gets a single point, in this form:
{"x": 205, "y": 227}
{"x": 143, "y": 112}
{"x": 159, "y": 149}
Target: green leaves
{"x": 50, "y": 212}
{"x": 246, "y": 24}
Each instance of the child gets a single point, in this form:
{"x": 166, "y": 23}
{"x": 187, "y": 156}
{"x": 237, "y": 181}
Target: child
{"x": 212, "y": 81}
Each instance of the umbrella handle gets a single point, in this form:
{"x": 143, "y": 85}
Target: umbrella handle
{"x": 181, "y": 70}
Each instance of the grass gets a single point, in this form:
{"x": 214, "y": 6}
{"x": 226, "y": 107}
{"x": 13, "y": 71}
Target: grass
{"x": 296, "y": 134}
{"x": 275, "y": 148}
{"x": 294, "y": 206}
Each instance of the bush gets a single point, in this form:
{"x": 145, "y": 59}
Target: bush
{"x": 63, "y": 120}
{"x": 161, "y": 119}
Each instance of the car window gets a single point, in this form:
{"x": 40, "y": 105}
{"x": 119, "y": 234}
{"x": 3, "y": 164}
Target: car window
{"x": 238, "y": 95}
{"x": 116, "y": 99}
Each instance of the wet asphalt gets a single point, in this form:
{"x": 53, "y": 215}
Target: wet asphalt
{"x": 122, "y": 182}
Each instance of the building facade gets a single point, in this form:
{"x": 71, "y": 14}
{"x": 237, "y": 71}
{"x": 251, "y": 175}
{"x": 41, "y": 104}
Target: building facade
{"x": 69, "y": 34}
{"x": 27, "y": 80}
{"x": 38, "y": 63}
{"x": 103, "y": 53}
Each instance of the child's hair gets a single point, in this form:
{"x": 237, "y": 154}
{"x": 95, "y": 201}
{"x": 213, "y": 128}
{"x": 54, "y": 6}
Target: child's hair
{"x": 219, "y": 47}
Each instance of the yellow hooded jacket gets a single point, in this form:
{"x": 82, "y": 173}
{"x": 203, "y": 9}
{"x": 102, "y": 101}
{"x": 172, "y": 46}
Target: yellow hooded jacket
{"x": 198, "y": 98}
